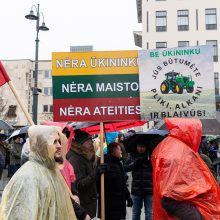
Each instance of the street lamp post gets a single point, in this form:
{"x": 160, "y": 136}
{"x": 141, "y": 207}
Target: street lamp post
{"x": 32, "y": 16}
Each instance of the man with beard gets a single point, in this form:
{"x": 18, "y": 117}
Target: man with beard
{"x": 37, "y": 190}
{"x": 82, "y": 157}
{"x": 67, "y": 172}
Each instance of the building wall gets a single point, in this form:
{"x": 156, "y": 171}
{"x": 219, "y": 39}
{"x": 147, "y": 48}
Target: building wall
{"x": 21, "y": 74}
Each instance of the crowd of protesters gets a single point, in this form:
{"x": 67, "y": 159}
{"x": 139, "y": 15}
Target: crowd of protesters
{"x": 10, "y": 154}
{"x": 57, "y": 173}
{"x": 210, "y": 152}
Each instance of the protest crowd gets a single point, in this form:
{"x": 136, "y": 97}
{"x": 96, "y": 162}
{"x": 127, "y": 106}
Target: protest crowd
{"x": 55, "y": 172}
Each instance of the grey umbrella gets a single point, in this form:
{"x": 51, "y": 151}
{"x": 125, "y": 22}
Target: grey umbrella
{"x": 24, "y": 130}
{"x": 20, "y": 132}
{"x": 5, "y": 126}
{"x": 79, "y": 125}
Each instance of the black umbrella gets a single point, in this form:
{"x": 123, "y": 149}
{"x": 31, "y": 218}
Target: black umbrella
{"x": 79, "y": 125}
{"x": 5, "y": 126}
{"x": 150, "y": 138}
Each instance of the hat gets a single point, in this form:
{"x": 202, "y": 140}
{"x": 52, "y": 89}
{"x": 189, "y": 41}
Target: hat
{"x": 81, "y": 136}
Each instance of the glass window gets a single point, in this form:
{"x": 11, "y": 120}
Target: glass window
{"x": 214, "y": 43}
{"x": 183, "y": 20}
{"x": 216, "y": 78}
{"x": 47, "y": 74}
{"x": 161, "y": 45}
{"x": 211, "y": 19}
{"x": 161, "y": 21}
{"x": 183, "y": 43}
{"x": 47, "y": 91}
{"x": 45, "y": 108}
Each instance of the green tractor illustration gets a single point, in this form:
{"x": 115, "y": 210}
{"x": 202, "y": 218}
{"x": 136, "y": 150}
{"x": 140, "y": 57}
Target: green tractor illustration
{"x": 176, "y": 83}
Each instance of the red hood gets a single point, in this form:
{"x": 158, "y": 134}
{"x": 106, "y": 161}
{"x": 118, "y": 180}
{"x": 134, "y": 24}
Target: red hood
{"x": 187, "y": 130}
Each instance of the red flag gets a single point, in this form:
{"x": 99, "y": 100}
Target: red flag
{"x": 4, "y": 78}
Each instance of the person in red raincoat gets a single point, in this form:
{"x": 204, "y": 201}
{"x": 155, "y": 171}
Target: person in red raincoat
{"x": 184, "y": 188}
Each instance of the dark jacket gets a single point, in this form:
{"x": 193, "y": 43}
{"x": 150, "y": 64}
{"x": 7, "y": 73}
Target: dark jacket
{"x": 15, "y": 153}
{"x": 140, "y": 165}
{"x": 184, "y": 210}
{"x": 209, "y": 164}
{"x": 85, "y": 178}
{"x": 79, "y": 211}
{"x": 116, "y": 191}
{"x": 3, "y": 151}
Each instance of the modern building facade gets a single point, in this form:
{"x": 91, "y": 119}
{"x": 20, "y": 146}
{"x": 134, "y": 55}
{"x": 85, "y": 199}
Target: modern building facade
{"x": 21, "y": 74}
{"x": 180, "y": 23}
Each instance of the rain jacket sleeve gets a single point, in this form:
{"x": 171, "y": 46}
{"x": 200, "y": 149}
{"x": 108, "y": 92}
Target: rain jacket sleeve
{"x": 20, "y": 200}
{"x": 30, "y": 196}
{"x": 183, "y": 178}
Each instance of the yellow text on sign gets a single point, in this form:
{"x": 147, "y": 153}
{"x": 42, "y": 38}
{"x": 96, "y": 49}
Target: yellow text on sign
{"x": 94, "y": 63}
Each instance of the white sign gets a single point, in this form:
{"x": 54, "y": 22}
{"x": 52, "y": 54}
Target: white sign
{"x": 177, "y": 82}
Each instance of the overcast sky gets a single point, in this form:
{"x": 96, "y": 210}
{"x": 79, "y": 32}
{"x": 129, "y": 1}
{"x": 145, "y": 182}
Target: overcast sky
{"x": 107, "y": 25}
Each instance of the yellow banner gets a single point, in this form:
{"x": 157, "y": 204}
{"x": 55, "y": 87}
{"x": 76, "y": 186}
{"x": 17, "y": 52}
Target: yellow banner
{"x": 94, "y": 63}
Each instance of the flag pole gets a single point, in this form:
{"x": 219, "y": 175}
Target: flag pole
{"x": 20, "y": 103}
{"x": 102, "y": 175}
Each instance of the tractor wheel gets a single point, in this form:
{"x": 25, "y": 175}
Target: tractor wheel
{"x": 164, "y": 87}
{"x": 179, "y": 88}
{"x": 173, "y": 89}
{"x": 190, "y": 89}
